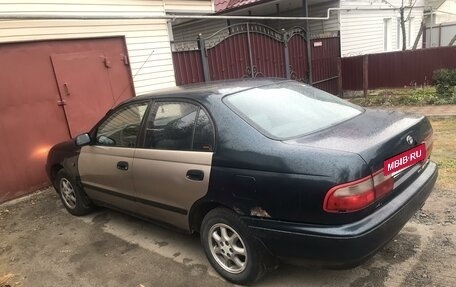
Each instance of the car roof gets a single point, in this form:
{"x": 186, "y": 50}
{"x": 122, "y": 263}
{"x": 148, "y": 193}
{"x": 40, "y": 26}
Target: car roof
{"x": 202, "y": 90}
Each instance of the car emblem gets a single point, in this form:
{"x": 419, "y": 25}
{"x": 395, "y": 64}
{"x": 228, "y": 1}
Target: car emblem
{"x": 409, "y": 140}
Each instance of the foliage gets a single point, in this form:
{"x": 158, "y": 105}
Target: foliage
{"x": 445, "y": 83}
{"x": 443, "y": 93}
{"x": 404, "y": 97}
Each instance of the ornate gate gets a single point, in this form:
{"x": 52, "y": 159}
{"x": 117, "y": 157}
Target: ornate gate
{"x": 250, "y": 50}
{"x": 245, "y": 50}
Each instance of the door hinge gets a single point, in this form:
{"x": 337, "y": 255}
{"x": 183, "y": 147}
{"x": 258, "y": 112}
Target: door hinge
{"x": 124, "y": 58}
{"x": 61, "y": 103}
{"x": 106, "y": 62}
{"x": 66, "y": 89}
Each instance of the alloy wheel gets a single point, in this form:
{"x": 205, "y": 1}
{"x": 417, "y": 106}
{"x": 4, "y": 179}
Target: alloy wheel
{"x": 227, "y": 248}
{"x": 68, "y": 194}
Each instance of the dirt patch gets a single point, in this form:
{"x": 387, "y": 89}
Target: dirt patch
{"x": 375, "y": 278}
{"x": 444, "y": 152}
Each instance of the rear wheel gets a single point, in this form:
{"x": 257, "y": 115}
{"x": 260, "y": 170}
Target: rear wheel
{"x": 230, "y": 249}
{"x": 73, "y": 198}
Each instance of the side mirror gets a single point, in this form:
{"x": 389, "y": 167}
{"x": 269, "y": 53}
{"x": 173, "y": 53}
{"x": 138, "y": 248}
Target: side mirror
{"x": 82, "y": 140}
{"x": 104, "y": 140}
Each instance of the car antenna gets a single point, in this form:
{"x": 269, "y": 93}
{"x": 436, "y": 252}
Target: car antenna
{"x": 132, "y": 79}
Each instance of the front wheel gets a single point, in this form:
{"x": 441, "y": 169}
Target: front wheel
{"x": 230, "y": 249}
{"x": 73, "y": 198}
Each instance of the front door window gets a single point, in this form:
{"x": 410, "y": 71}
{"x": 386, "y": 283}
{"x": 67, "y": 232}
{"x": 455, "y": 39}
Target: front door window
{"x": 122, "y": 128}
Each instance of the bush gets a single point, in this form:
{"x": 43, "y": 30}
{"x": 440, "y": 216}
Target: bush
{"x": 445, "y": 83}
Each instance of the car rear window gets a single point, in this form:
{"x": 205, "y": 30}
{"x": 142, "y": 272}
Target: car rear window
{"x": 290, "y": 109}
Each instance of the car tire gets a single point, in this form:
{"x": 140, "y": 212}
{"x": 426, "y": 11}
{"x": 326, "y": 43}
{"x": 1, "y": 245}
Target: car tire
{"x": 72, "y": 196}
{"x": 230, "y": 248}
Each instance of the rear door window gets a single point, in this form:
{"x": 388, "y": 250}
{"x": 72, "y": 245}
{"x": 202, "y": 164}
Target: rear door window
{"x": 179, "y": 126}
{"x": 203, "y": 139}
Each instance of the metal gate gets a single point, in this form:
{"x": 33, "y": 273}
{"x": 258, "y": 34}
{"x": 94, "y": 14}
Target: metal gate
{"x": 326, "y": 64}
{"x": 52, "y": 90}
{"x": 250, "y": 50}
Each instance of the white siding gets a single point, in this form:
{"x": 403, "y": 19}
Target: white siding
{"x": 317, "y": 27}
{"x": 362, "y": 31}
{"x": 190, "y": 31}
{"x": 324, "y": 26}
{"x": 189, "y": 6}
{"x": 82, "y": 7}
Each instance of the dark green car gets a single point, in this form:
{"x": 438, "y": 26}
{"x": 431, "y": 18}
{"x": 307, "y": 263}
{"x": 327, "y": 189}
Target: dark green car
{"x": 265, "y": 170}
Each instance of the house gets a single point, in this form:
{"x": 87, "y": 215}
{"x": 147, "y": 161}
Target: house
{"x": 65, "y": 63}
{"x": 440, "y": 23}
{"x": 443, "y": 11}
{"x": 365, "y": 26}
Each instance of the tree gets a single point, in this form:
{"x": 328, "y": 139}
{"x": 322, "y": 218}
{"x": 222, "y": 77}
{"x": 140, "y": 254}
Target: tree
{"x": 403, "y": 19}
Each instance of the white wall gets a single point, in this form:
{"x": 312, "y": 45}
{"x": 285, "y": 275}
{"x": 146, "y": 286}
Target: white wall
{"x": 316, "y": 27}
{"x": 189, "y": 6}
{"x": 190, "y": 31}
{"x": 446, "y": 12}
{"x": 363, "y": 31}
{"x": 143, "y": 37}
{"x": 324, "y": 26}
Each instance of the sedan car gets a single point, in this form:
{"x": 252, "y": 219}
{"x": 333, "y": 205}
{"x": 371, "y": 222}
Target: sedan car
{"x": 265, "y": 170}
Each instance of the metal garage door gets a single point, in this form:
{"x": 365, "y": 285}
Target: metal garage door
{"x": 51, "y": 91}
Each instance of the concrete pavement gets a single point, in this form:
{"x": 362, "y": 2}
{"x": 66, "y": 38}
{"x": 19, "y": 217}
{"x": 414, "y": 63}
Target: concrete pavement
{"x": 42, "y": 245}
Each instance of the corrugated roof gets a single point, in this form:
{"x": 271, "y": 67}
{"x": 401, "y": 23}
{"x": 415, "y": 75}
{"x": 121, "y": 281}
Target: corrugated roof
{"x": 240, "y": 3}
{"x": 221, "y": 5}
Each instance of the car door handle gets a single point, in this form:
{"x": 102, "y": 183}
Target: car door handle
{"x": 122, "y": 165}
{"x": 195, "y": 174}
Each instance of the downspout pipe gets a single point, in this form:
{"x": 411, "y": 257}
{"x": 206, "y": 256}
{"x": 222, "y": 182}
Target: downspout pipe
{"x": 44, "y": 16}
{"x": 151, "y": 16}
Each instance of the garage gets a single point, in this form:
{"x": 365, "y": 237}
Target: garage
{"x": 51, "y": 91}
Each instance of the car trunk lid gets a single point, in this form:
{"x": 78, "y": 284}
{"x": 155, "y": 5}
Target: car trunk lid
{"x": 375, "y": 135}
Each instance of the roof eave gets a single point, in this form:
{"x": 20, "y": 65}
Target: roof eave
{"x": 233, "y": 9}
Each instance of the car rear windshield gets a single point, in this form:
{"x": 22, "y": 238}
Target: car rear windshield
{"x": 290, "y": 109}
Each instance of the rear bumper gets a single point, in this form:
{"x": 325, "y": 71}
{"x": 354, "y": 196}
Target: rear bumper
{"x": 345, "y": 245}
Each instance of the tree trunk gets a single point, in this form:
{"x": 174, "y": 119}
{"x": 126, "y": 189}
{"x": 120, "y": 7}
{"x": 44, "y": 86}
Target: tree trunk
{"x": 404, "y": 35}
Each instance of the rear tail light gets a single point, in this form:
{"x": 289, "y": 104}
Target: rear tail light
{"x": 383, "y": 184}
{"x": 429, "y": 143}
{"x": 356, "y": 195}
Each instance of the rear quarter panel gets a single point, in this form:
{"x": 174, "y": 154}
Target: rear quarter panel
{"x": 258, "y": 176}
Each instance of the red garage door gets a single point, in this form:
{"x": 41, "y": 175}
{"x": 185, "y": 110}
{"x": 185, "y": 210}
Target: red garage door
{"x": 51, "y": 91}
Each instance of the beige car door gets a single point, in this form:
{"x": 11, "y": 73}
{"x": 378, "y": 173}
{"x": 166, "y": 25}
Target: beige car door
{"x": 106, "y": 166}
{"x": 171, "y": 171}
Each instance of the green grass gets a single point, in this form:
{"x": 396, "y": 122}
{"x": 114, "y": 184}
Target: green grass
{"x": 403, "y": 97}
{"x": 444, "y": 152}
